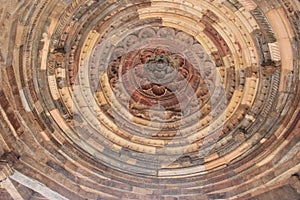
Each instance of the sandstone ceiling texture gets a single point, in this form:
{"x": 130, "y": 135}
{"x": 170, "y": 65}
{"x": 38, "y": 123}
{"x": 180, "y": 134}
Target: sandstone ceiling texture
{"x": 149, "y": 99}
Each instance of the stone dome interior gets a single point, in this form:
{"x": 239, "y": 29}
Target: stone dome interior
{"x": 149, "y": 99}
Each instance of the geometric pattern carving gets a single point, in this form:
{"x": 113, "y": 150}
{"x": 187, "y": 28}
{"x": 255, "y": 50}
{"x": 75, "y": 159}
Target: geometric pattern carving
{"x": 275, "y": 52}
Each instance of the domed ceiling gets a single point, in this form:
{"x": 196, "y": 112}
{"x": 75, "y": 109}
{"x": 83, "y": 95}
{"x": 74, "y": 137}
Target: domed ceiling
{"x": 149, "y": 99}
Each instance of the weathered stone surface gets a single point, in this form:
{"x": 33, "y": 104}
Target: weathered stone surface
{"x": 134, "y": 99}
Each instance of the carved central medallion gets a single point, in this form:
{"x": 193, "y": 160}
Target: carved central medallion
{"x": 149, "y": 77}
{"x": 159, "y": 75}
{"x": 161, "y": 69}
